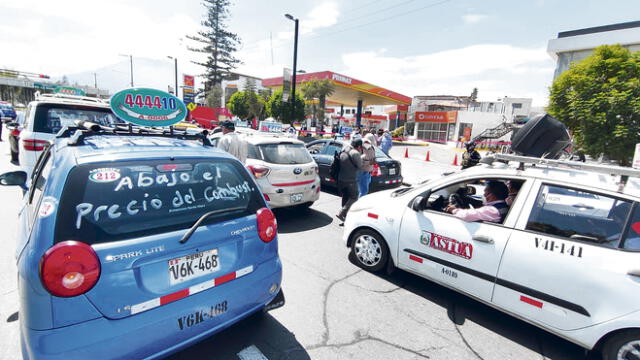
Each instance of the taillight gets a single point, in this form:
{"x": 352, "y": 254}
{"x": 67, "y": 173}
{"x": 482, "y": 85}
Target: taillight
{"x": 69, "y": 268}
{"x": 34, "y": 145}
{"x": 266, "y": 197}
{"x": 376, "y": 170}
{"x": 15, "y": 132}
{"x": 259, "y": 171}
{"x": 267, "y": 225}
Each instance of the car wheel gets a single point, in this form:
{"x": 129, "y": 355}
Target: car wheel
{"x": 622, "y": 346}
{"x": 369, "y": 250}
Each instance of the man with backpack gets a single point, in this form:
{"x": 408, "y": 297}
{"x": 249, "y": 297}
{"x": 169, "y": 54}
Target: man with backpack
{"x": 349, "y": 161}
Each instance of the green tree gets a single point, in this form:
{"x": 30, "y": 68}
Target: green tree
{"x": 598, "y": 99}
{"x": 214, "y": 97}
{"x": 238, "y": 105}
{"x": 218, "y": 43}
{"x": 282, "y": 110}
{"x": 318, "y": 89}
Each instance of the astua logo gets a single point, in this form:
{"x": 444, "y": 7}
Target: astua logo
{"x": 446, "y": 244}
{"x": 200, "y": 316}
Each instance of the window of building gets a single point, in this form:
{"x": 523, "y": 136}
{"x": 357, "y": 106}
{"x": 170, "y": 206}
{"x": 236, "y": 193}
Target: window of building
{"x": 432, "y": 131}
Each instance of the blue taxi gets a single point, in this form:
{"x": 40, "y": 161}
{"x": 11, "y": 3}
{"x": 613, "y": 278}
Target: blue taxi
{"x": 135, "y": 244}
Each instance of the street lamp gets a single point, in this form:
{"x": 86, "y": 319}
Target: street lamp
{"x": 131, "y": 66}
{"x": 175, "y": 60}
{"x": 295, "y": 63}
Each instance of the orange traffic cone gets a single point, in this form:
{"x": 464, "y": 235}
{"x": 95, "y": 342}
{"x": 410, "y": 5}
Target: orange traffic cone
{"x": 427, "y": 158}
{"x": 406, "y": 152}
{"x": 455, "y": 160}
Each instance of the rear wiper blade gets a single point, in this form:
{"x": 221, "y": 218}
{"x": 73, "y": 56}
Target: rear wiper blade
{"x": 204, "y": 217}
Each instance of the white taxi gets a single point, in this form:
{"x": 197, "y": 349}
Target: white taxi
{"x": 282, "y": 167}
{"x": 572, "y": 268}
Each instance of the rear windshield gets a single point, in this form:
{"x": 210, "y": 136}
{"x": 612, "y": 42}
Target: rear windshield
{"x": 106, "y": 202}
{"x": 50, "y": 118}
{"x": 283, "y": 153}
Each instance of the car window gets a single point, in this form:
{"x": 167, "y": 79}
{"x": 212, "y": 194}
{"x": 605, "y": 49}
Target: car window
{"x": 316, "y": 148}
{"x": 581, "y": 215}
{"x": 468, "y": 195}
{"x": 50, "y": 118}
{"x": 380, "y": 153}
{"x": 112, "y": 201}
{"x": 41, "y": 175}
{"x": 332, "y": 148}
{"x": 252, "y": 152}
{"x": 632, "y": 233}
{"x": 284, "y": 153}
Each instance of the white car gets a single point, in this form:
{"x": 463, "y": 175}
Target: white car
{"x": 571, "y": 271}
{"x": 282, "y": 167}
{"x": 49, "y": 113}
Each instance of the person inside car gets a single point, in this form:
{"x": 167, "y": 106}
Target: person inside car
{"x": 494, "y": 210}
{"x": 514, "y": 188}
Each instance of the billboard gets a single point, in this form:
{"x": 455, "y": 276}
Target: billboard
{"x": 188, "y": 93}
{"x": 436, "y": 116}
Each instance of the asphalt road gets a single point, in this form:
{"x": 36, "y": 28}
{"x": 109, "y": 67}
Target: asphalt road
{"x": 334, "y": 310}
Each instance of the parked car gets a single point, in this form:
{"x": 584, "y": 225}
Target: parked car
{"x": 135, "y": 246}
{"x": 49, "y": 113}
{"x": 572, "y": 269}
{"x": 388, "y": 173}
{"x": 14, "y": 128}
{"x": 7, "y": 112}
{"x": 282, "y": 167}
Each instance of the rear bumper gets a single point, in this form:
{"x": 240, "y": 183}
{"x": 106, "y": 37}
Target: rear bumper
{"x": 162, "y": 331}
{"x": 385, "y": 183}
{"x": 282, "y": 196}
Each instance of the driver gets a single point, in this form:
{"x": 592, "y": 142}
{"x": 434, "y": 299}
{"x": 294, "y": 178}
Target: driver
{"x": 494, "y": 210}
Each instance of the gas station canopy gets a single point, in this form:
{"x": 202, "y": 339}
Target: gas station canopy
{"x": 347, "y": 90}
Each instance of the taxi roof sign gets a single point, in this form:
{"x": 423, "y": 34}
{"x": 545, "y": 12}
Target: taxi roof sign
{"x": 148, "y": 107}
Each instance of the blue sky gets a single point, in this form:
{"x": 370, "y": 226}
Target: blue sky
{"x": 415, "y": 47}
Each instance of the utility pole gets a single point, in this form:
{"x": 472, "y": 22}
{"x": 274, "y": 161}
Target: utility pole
{"x": 295, "y": 67}
{"x": 95, "y": 80}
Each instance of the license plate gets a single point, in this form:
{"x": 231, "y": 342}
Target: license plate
{"x": 392, "y": 171}
{"x": 296, "y": 198}
{"x": 192, "y": 266}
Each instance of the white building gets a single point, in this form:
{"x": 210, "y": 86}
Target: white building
{"x": 448, "y": 118}
{"x": 237, "y": 82}
{"x": 575, "y": 45}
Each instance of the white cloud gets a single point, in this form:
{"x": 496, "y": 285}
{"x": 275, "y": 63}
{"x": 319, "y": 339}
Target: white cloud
{"x": 322, "y": 16}
{"x": 497, "y": 70}
{"x": 473, "y": 18}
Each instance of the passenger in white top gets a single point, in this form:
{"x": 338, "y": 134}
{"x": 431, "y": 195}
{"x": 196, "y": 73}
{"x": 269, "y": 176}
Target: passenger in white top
{"x": 231, "y": 142}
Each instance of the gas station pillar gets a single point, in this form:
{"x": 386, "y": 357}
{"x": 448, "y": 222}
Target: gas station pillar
{"x": 359, "y": 114}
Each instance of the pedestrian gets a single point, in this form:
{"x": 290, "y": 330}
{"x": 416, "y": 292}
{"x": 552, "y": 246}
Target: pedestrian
{"x": 386, "y": 143}
{"x": 368, "y": 134}
{"x": 231, "y": 142}
{"x": 471, "y": 157}
{"x": 369, "y": 161}
{"x": 495, "y": 208}
{"x": 350, "y": 164}
{"x": 379, "y": 136}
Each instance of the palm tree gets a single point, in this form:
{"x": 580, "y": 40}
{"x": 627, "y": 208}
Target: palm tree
{"x": 318, "y": 89}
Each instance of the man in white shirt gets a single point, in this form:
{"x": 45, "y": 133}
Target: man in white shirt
{"x": 231, "y": 142}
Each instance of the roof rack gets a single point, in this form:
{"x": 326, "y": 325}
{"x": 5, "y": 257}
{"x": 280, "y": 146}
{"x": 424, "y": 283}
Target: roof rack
{"x": 623, "y": 172}
{"x": 85, "y": 129}
{"x": 59, "y": 96}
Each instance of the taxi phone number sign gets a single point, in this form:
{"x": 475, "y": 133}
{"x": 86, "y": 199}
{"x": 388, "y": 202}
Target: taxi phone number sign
{"x": 268, "y": 126}
{"x": 148, "y": 107}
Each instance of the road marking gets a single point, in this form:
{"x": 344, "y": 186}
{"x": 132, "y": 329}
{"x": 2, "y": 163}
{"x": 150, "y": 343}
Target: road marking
{"x": 251, "y": 353}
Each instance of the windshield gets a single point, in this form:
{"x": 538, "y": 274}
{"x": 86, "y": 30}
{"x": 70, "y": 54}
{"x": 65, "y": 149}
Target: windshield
{"x": 284, "y": 153}
{"x": 111, "y": 201}
{"x": 50, "y": 118}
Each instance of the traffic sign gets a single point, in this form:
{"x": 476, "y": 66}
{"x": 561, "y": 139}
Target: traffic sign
{"x": 191, "y": 106}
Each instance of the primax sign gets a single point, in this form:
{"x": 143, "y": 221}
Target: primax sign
{"x": 340, "y": 78}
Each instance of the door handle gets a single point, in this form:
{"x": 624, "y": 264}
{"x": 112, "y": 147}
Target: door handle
{"x": 634, "y": 272}
{"x": 483, "y": 238}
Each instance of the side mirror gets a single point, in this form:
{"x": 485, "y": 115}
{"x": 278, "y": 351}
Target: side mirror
{"x": 418, "y": 203}
{"x": 471, "y": 190}
{"x": 13, "y": 178}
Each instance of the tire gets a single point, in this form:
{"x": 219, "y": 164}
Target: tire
{"x": 369, "y": 250}
{"x": 620, "y": 346}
